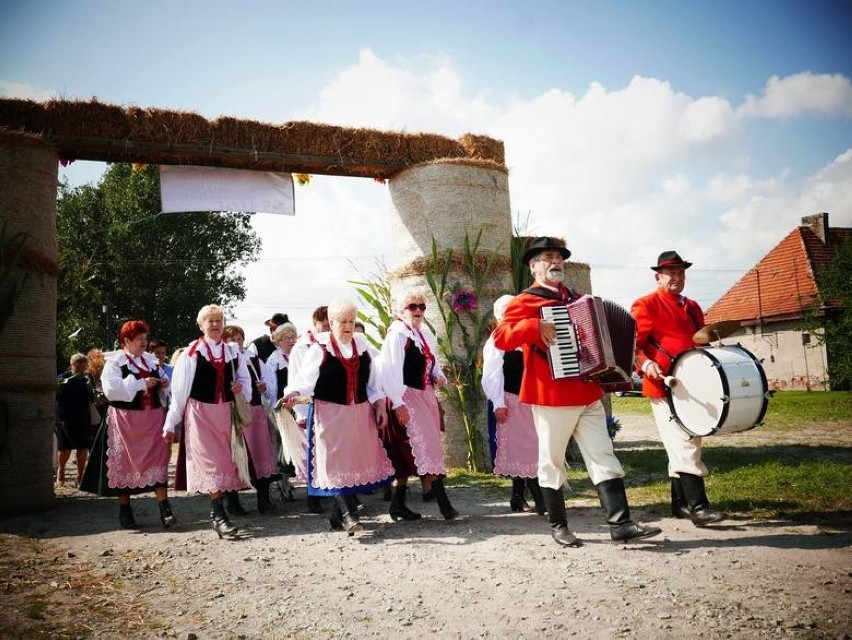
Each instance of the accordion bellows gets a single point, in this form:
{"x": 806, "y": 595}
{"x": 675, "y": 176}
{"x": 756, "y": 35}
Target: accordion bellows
{"x": 595, "y": 340}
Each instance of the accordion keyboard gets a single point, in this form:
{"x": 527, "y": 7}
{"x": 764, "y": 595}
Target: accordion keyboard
{"x": 565, "y": 353}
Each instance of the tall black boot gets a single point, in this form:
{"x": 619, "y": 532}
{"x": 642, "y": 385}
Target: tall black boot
{"x": 679, "y": 508}
{"x": 554, "y": 502}
{"x": 232, "y": 503}
{"x": 348, "y": 514}
{"x": 166, "y": 515}
{"x": 264, "y": 500}
{"x": 696, "y": 501}
{"x": 314, "y": 505}
{"x": 443, "y": 500}
{"x": 535, "y": 492}
{"x": 398, "y": 510}
{"x": 219, "y": 519}
{"x": 335, "y": 517}
{"x": 517, "y": 503}
{"x": 614, "y": 502}
{"x": 125, "y": 517}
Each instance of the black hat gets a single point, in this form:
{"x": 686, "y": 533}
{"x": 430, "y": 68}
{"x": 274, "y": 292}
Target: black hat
{"x": 544, "y": 244}
{"x": 277, "y": 319}
{"x": 671, "y": 259}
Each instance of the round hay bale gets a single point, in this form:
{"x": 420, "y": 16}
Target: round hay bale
{"x": 28, "y": 182}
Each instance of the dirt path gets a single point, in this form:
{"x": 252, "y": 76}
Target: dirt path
{"x": 491, "y": 575}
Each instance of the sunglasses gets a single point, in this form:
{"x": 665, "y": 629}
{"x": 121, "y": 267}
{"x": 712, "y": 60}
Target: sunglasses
{"x": 414, "y": 306}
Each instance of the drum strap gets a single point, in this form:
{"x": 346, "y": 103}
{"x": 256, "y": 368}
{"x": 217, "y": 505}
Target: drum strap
{"x": 659, "y": 348}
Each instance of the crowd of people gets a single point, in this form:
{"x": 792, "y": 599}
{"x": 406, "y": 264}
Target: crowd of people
{"x": 328, "y": 409}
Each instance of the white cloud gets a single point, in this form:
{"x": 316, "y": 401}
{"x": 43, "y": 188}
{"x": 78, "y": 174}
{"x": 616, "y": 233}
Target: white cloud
{"x": 799, "y": 94}
{"x": 25, "y": 91}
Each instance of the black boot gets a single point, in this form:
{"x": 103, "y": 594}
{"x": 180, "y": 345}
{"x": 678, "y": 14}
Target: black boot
{"x": 696, "y": 501}
{"x": 679, "y": 508}
{"x": 166, "y": 515}
{"x": 125, "y": 517}
{"x": 443, "y": 500}
{"x": 314, "y": 505}
{"x": 535, "y": 492}
{"x": 614, "y": 502}
{"x": 335, "y": 517}
{"x": 398, "y": 510}
{"x": 554, "y": 502}
{"x": 348, "y": 514}
{"x": 387, "y": 493}
{"x": 232, "y": 503}
{"x": 264, "y": 501}
{"x": 517, "y": 503}
{"x": 219, "y": 519}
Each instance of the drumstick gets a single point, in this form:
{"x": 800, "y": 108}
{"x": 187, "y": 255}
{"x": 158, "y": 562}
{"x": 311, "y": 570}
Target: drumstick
{"x": 670, "y": 381}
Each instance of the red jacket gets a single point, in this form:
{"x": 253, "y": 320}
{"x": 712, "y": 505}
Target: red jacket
{"x": 520, "y": 328}
{"x": 668, "y": 321}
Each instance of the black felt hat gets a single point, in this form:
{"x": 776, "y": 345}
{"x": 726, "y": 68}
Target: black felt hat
{"x": 671, "y": 259}
{"x": 544, "y": 244}
{"x": 277, "y": 319}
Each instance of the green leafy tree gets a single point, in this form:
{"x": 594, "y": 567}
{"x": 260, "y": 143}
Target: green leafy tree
{"x": 835, "y": 287}
{"x": 118, "y": 251}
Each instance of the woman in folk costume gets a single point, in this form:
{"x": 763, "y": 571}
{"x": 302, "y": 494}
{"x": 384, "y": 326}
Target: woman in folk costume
{"x": 205, "y": 380}
{"x": 284, "y": 338}
{"x": 510, "y": 422}
{"x": 410, "y": 372}
{"x": 130, "y": 453}
{"x": 345, "y": 455}
{"x": 262, "y": 449}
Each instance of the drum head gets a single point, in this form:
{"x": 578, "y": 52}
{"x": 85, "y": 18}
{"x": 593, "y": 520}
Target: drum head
{"x": 718, "y": 390}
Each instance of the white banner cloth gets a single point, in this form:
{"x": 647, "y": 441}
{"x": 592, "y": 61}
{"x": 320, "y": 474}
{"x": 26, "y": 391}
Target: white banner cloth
{"x": 214, "y": 189}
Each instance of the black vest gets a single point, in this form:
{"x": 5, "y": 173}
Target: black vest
{"x": 255, "y": 392}
{"x": 331, "y": 384}
{"x": 513, "y": 371}
{"x": 264, "y": 347}
{"x": 413, "y": 366}
{"x": 204, "y": 382}
{"x": 136, "y": 403}
{"x": 281, "y": 378}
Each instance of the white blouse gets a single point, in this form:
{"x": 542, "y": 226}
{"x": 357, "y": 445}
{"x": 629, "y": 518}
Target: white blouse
{"x": 392, "y": 358}
{"x": 125, "y": 389}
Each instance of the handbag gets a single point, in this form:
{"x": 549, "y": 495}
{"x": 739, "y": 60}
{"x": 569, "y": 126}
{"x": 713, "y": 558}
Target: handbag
{"x": 241, "y": 409}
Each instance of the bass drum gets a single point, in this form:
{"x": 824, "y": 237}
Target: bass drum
{"x": 718, "y": 390}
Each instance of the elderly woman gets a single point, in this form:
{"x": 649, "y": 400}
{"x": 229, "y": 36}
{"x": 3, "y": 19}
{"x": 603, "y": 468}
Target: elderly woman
{"x": 510, "y": 422}
{"x": 345, "y": 455}
{"x": 284, "y": 338}
{"x": 262, "y": 449}
{"x": 410, "y": 372}
{"x": 205, "y": 380}
{"x": 131, "y": 456}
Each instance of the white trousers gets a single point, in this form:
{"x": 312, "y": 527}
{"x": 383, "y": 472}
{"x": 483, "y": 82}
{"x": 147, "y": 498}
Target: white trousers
{"x": 556, "y": 425}
{"x": 684, "y": 452}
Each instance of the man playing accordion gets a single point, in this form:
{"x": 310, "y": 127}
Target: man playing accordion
{"x": 563, "y": 407}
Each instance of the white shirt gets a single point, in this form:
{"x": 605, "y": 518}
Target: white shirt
{"x": 392, "y": 358}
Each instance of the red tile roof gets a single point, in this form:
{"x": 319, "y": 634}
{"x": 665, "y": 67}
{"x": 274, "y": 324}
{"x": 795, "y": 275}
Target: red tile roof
{"x": 781, "y": 286}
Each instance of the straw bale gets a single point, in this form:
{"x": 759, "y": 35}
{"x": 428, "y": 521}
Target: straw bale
{"x": 483, "y": 147}
{"x": 23, "y": 139}
{"x": 23, "y": 115}
{"x": 169, "y": 127}
{"x": 458, "y": 263}
{"x": 81, "y": 118}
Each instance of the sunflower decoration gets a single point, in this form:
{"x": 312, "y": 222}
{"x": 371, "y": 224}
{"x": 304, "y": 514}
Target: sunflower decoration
{"x": 302, "y": 178}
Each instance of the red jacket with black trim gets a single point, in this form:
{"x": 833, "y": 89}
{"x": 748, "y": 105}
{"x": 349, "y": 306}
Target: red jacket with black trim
{"x": 663, "y": 320}
{"x": 520, "y": 328}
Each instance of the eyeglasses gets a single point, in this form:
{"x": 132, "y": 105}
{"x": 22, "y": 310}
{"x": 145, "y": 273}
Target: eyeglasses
{"x": 414, "y": 306}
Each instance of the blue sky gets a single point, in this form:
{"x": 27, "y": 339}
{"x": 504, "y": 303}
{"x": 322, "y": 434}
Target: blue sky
{"x": 630, "y": 127}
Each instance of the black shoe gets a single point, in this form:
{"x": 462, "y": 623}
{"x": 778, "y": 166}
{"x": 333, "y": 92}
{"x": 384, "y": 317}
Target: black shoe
{"x": 348, "y": 512}
{"x": 125, "y": 517}
{"x": 398, "y": 510}
{"x": 233, "y": 505}
{"x": 219, "y": 519}
{"x": 554, "y": 502}
{"x": 264, "y": 500}
{"x": 166, "y": 515}
{"x": 314, "y": 505}
{"x": 517, "y": 503}
{"x": 443, "y": 500}
{"x": 697, "y": 503}
{"x": 613, "y": 499}
{"x": 535, "y": 492}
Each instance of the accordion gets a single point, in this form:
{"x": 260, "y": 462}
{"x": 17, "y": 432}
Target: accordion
{"x": 595, "y": 340}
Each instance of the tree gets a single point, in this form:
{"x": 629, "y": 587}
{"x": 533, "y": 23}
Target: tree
{"x": 118, "y": 252}
{"x": 835, "y": 288}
